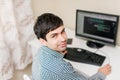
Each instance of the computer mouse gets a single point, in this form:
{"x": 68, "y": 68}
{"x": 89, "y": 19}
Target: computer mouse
{"x": 79, "y": 50}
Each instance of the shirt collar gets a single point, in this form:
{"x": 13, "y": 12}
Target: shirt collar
{"x": 52, "y": 52}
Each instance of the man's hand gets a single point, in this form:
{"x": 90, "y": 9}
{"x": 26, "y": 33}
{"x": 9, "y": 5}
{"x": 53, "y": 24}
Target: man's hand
{"x": 105, "y": 69}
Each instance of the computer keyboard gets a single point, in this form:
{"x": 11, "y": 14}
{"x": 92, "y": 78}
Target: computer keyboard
{"x": 84, "y": 56}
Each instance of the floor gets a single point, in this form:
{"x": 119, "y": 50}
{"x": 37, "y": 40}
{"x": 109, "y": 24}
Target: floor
{"x": 18, "y": 75}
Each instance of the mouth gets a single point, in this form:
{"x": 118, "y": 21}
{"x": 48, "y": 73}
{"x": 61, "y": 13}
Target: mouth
{"x": 63, "y": 44}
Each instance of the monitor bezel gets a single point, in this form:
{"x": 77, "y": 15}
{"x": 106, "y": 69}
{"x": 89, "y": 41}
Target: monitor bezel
{"x": 94, "y": 39}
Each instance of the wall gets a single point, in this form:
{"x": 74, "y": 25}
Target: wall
{"x": 42, "y": 6}
{"x": 66, "y": 9}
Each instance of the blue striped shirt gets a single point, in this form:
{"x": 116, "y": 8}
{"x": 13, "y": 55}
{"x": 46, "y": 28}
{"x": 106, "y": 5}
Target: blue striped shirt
{"x": 49, "y": 65}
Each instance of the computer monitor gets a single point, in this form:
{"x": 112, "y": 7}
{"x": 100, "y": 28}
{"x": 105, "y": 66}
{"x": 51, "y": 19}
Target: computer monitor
{"x": 97, "y": 28}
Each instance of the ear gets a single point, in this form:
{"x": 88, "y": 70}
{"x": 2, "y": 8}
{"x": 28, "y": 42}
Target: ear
{"x": 43, "y": 42}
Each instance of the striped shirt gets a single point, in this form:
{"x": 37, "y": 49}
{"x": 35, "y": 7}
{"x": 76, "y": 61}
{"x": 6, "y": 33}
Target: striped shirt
{"x": 49, "y": 65}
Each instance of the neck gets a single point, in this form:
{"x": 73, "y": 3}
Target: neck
{"x": 64, "y": 52}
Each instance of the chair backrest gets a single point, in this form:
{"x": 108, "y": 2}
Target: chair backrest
{"x": 26, "y": 77}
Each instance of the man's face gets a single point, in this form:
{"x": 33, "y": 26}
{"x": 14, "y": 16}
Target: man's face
{"x": 57, "y": 39}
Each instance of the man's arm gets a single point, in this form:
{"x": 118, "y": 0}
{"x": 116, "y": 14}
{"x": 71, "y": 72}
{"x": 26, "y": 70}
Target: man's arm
{"x": 102, "y": 73}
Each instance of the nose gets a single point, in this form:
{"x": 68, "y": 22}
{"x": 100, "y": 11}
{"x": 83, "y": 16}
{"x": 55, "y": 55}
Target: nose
{"x": 62, "y": 38}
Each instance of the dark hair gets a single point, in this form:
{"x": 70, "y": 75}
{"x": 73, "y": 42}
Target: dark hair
{"x": 45, "y": 23}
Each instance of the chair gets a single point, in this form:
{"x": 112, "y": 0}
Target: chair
{"x": 26, "y": 77}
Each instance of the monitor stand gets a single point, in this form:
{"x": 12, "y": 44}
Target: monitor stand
{"x": 94, "y": 44}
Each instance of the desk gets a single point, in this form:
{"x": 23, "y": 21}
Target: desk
{"x": 112, "y": 54}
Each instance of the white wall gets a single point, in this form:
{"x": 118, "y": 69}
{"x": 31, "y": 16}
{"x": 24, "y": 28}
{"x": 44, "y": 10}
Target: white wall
{"x": 66, "y": 9}
{"x": 43, "y": 6}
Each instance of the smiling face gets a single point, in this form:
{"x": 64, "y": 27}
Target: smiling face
{"x": 56, "y": 39}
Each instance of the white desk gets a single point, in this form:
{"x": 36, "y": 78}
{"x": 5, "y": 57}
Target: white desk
{"x": 112, "y": 54}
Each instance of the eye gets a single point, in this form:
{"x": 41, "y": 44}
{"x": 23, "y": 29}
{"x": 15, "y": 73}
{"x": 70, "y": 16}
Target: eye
{"x": 54, "y": 35}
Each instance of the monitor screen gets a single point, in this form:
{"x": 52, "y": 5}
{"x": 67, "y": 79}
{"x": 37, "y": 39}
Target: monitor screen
{"x": 97, "y": 28}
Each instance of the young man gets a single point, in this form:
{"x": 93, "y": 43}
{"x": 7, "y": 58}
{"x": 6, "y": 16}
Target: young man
{"x": 48, "y": 63}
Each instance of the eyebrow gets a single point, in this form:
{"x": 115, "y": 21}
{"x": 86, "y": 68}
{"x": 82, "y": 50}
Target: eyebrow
{"x": 57, "y": 33}
{"x": 63, "y": 30}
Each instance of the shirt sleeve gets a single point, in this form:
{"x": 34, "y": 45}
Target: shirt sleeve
{"x": 70, "y": 74}
{"x": 97, "y": 76}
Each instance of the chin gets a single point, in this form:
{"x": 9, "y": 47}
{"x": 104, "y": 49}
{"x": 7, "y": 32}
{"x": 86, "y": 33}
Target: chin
{"x": 63, "y": 49}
